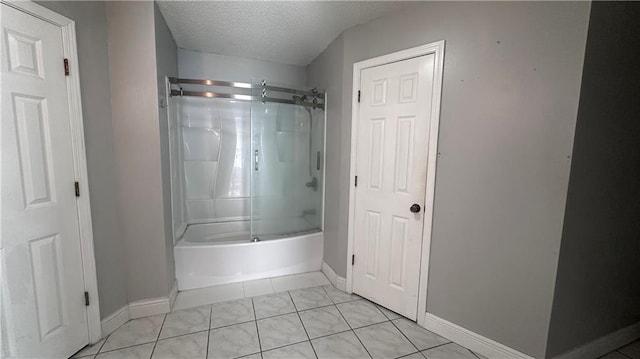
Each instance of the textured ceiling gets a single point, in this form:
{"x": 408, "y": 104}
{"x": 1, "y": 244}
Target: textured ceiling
{"x": 289, "y": 32}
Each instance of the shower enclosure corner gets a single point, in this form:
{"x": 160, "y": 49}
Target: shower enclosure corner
{"x": 247, "y": 158}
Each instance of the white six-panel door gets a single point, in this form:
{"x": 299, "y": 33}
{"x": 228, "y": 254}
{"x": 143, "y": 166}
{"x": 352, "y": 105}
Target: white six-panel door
{"x": 40, "y": 233}
{"x": 391, "y": 168}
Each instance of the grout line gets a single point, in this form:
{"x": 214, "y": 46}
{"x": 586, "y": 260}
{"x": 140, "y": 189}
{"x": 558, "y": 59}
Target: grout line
{"x": 328, "y": 335}
{"x": 361, "y": 343}
{"x": 303, "y": 327}
{"x": 369, "y": 325}
{"x": 440, "y": 345}
{"x": 276, "y": 315}
{"x": 209, "y": 329}
{"x": 346, "y": 301}
{"x": 354, "y": 332}
{"x": 182, "y": 335}
{"x": 125, "y": 347}
{"x": 103, "y": 343}
{"x": 364, "y": 326}
{"x": 255, "y": 316}
{"x": 406, "y": 355}
{"x": 320, "y": 307}
{"x": 402, "y": 333}
{"x": 286, "y": 345}
{"x": 292, "y": 301}
{"x": 158, "y": 337}
{"x": 619, "y": 352}
{"x": 99, "y": 349}
{"x": 230, "y": 325}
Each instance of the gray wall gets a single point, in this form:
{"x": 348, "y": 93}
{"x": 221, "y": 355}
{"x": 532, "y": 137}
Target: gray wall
{"x": 91, "y": 31}
{"x": 326, "y": 73}
{"x": 135, "y": 110}
{"x": 510, "y": 96}
{"x": 167, "y": 65}
{"x": 598, "y": 282}
{"x": 202, "y": 65}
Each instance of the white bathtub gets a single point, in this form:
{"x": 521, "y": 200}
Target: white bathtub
{"x": 219, "y": 253}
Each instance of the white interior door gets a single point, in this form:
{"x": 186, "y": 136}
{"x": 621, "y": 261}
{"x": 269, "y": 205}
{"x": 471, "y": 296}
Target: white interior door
{"x": 391, "y": 169}
{"x": 44, "y": 306}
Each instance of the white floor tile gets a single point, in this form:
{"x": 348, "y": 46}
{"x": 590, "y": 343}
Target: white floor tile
{"x": 296, "y": 351}
{"x": 361, "y": 313}
{"x": 231, "y": 312}
{"x": 186, "y": 321}
{"x": 632, "y": 350}
{"x": 384, "y": 341}
{"x": 280, "y": 331}
{"x": 297, "y": 281}
{"x": 134, "y": 332}
{"x": 343, "y": 345}
{"x": 197, "y": 297}
{"x": 136, "y": 352}
{"x": 447, "y": 351}
{"x": 420, "y": 337}
{"x": 192, "y": 346}
{"x": 257, "y": 287}
{"x": 273, "y": 304}
{"x": 234, "y": 341}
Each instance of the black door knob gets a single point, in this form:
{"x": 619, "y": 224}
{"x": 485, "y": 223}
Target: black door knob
{"x": 415, "y": 208}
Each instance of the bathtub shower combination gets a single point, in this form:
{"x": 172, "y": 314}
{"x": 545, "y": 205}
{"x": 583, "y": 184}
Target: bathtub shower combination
{"x": 246, "y": 180}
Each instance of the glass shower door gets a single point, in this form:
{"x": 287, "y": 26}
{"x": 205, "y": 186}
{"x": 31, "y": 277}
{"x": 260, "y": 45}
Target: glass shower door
{"x": 286, "y": 177}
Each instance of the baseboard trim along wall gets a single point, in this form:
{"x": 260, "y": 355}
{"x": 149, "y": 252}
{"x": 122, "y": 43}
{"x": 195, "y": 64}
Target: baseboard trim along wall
{"x": 138, "y": 309}
{"x": 337, "y": 281}
{"x": 148, "y": 307}
{"x": 341, "y": 283}
{"x": 605, "y": 344}
{"x": 471, "y": 340}
{"x": 114, "y": 320}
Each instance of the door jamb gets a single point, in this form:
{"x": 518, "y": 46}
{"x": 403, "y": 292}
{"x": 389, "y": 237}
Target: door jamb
{"x": 436, "y": 48}
{"x": 85, "y": 228}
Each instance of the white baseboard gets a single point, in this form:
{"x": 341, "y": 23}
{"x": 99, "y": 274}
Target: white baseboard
{"x": 336, "y": 280}
{"x": 471, "y": 340}
{"x": 115, "y": 320}
{"x": 605, "y": 344}
{"x": 329, "y": 273}
{"x": 341, "y": 283}
{"x": 138, "y": 309}
{"x": 148, "y": 307}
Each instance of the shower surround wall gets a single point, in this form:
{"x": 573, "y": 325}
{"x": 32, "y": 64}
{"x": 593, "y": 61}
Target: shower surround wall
{"x": 211, "y": 148}
{"x": 211, "y": 139}
{"x": 216, "y": 153}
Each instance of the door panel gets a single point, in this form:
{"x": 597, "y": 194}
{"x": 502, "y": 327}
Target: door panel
{"x": 391, "y": 165}
{"x": 40, "y": 233}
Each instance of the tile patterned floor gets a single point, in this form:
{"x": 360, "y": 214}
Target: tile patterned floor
{"x": 631, "y": 351}
{"x": 290, "y": 317}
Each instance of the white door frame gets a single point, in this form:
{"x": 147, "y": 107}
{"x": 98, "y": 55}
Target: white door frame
{"x": 436, "y": 48}
{"x": 68, "y": 28}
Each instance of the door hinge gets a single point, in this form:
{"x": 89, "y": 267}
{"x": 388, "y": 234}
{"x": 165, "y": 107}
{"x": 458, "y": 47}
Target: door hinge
{"x": 66, "y": 67}
{"x": 356, "y": 181}
{"x": 86, "y": 299}
{"x": 77, "y": 185}
{"x": 353, "y": 259}
{"x": 358, "y": 96}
